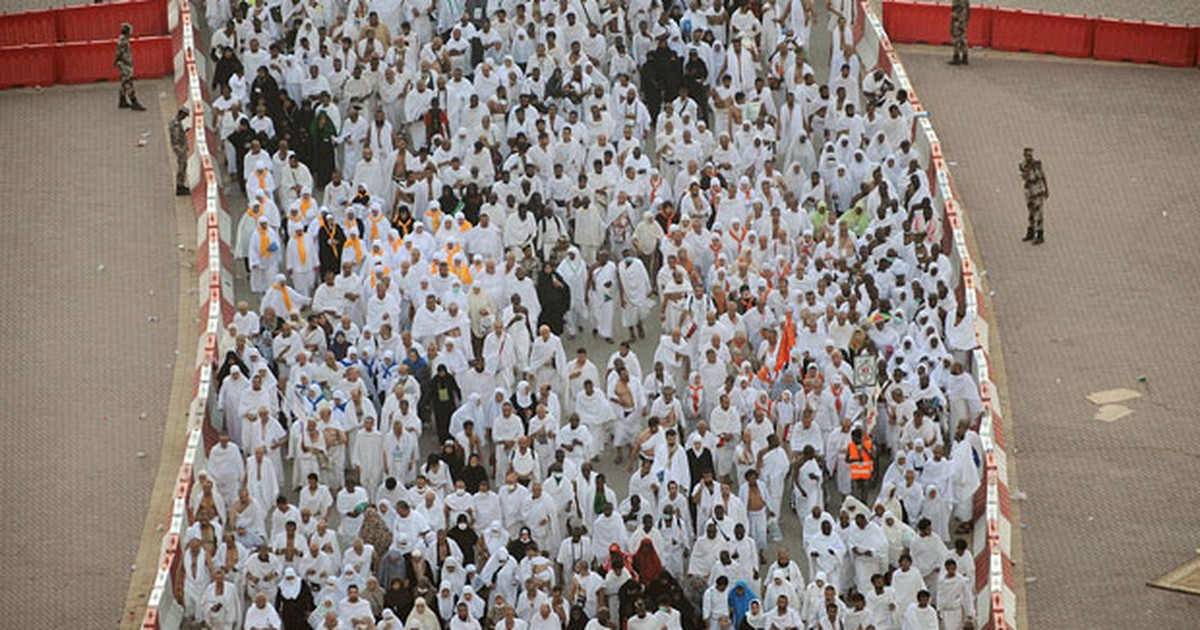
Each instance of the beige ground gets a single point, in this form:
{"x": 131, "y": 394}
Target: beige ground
{"x": 83, "y": 360}
{"x": 1109, "y": 298}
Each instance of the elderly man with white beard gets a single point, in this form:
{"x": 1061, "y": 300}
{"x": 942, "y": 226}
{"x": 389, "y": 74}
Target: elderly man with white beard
{"x": 548, "y": 359}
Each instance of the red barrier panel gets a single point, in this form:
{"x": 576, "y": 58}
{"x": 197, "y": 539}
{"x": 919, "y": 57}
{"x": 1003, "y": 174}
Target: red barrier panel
{"x": 929, "y": 23}
{"x": 28, "y": 66}
{"x": 1023, "y": 31}
{"x": 85, "y": 62}
{"x": 1143, "y": 42}
{"x": 917, "y": 22}
{"x": 34, "y": 27}
{"x": 979, "y": 28}
{"x": 103, "y": 21}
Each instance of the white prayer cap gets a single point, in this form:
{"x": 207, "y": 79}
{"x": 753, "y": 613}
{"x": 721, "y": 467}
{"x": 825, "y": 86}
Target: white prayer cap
{"x": 821, "y": 577}
{"x": 829, "y": 343}
{"x": 338, "y": 394}
{"x": 262, "y": 219}
{"x": 389, "y": 355}
{"x": 434, "y": 205}
{"x": 280, "y": 278}
{"x": 262, "y": 164}
{"x": 307, "y": 190}
{"x": 289, "y": 573}
{"x": 235, "y": 370}
{"x": 324, "y": 407}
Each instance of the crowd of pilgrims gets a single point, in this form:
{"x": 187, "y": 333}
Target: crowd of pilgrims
{"x": 440, "y": 197}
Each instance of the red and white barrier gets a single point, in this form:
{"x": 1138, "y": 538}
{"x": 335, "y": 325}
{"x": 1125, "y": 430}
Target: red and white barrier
{"x": 996, "y": 602}
{"x": 214, "y": 286}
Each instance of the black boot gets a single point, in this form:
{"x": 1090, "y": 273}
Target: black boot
{"x": 135, "y": 105}
{"x": 124, "y": 102}
{"x": 964, "y": 58}
{"x": 955, "y": 61}
{"x": 1028, "y": 235}
{"x": 1041, "y": 238}
{"x": 182, "y": 191}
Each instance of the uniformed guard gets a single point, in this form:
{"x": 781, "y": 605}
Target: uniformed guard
{"x": 1036, "y": 194}
{"x": 179, "y": 144}
{"x": 123, "y": 61}
{"x": 960, "y": 12}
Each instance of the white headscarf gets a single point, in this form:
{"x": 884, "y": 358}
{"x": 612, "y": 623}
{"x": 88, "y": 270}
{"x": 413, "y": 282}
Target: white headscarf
{"x": 290, "y": 586}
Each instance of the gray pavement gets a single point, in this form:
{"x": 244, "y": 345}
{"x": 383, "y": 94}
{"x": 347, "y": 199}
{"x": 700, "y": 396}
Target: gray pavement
{"x": 1110, "y": 297}
{"x": 84, "y": 361}
{"x": 1172, "y": 11}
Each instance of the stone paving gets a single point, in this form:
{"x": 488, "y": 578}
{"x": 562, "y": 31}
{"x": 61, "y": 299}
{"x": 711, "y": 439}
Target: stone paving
{"x": 84, "y": 359}
{"x": 1109, "y": 298}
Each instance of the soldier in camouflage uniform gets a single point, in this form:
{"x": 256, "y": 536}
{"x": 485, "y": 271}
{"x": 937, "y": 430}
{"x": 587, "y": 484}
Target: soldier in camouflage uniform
{"x": 960, "y": 12}
{"x": 1036, "y": 193}
{"x": 179, "y": 145}
{"x": 123, "y": 61}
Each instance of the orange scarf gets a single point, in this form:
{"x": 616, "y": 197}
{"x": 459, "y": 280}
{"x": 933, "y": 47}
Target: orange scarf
{"x": 356, "y": 243}
{"x": 287, "y": 299}
{"x": 436, "y": 215}
{"x": 305, "y": 204}
{"x": 254, "y": 213}
{"x": 300, "y": 248}
{"x": 375, "y": 276}
{"x": 262, "y": 181}
{"x": 375, "y": 227}
{"x": 264, "y": 243}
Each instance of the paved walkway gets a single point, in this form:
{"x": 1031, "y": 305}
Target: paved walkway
{"x": 1110, "y": 297}
{"x": 83, "y": 361}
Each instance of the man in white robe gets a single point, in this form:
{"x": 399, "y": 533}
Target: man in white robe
{"x": 302, "y": 259}
{"x": 601, "y": 296}
{"x": 921, "y": 615}
{"x": 548, "y": 359}
{"x": 263, "y": 255}
{"x": 261, "y": 616}
{"x": 283, "y": 299}
{"x": 594, "y": 410}
{"x": 868, "y": 547}
{"x": 955, "y": 598}
{"x": 261, "y": 480}
{"x": 226, "y": 467}
{"x": 634, "y": 289}
{"x": 220, "y": 607}
{"x": 574, "y": 273}
{"x": 499, "y": 355}
{"x": 294, "y": 179}
{"x": 351, "y": 503}
{"x": 369, "y": 455}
